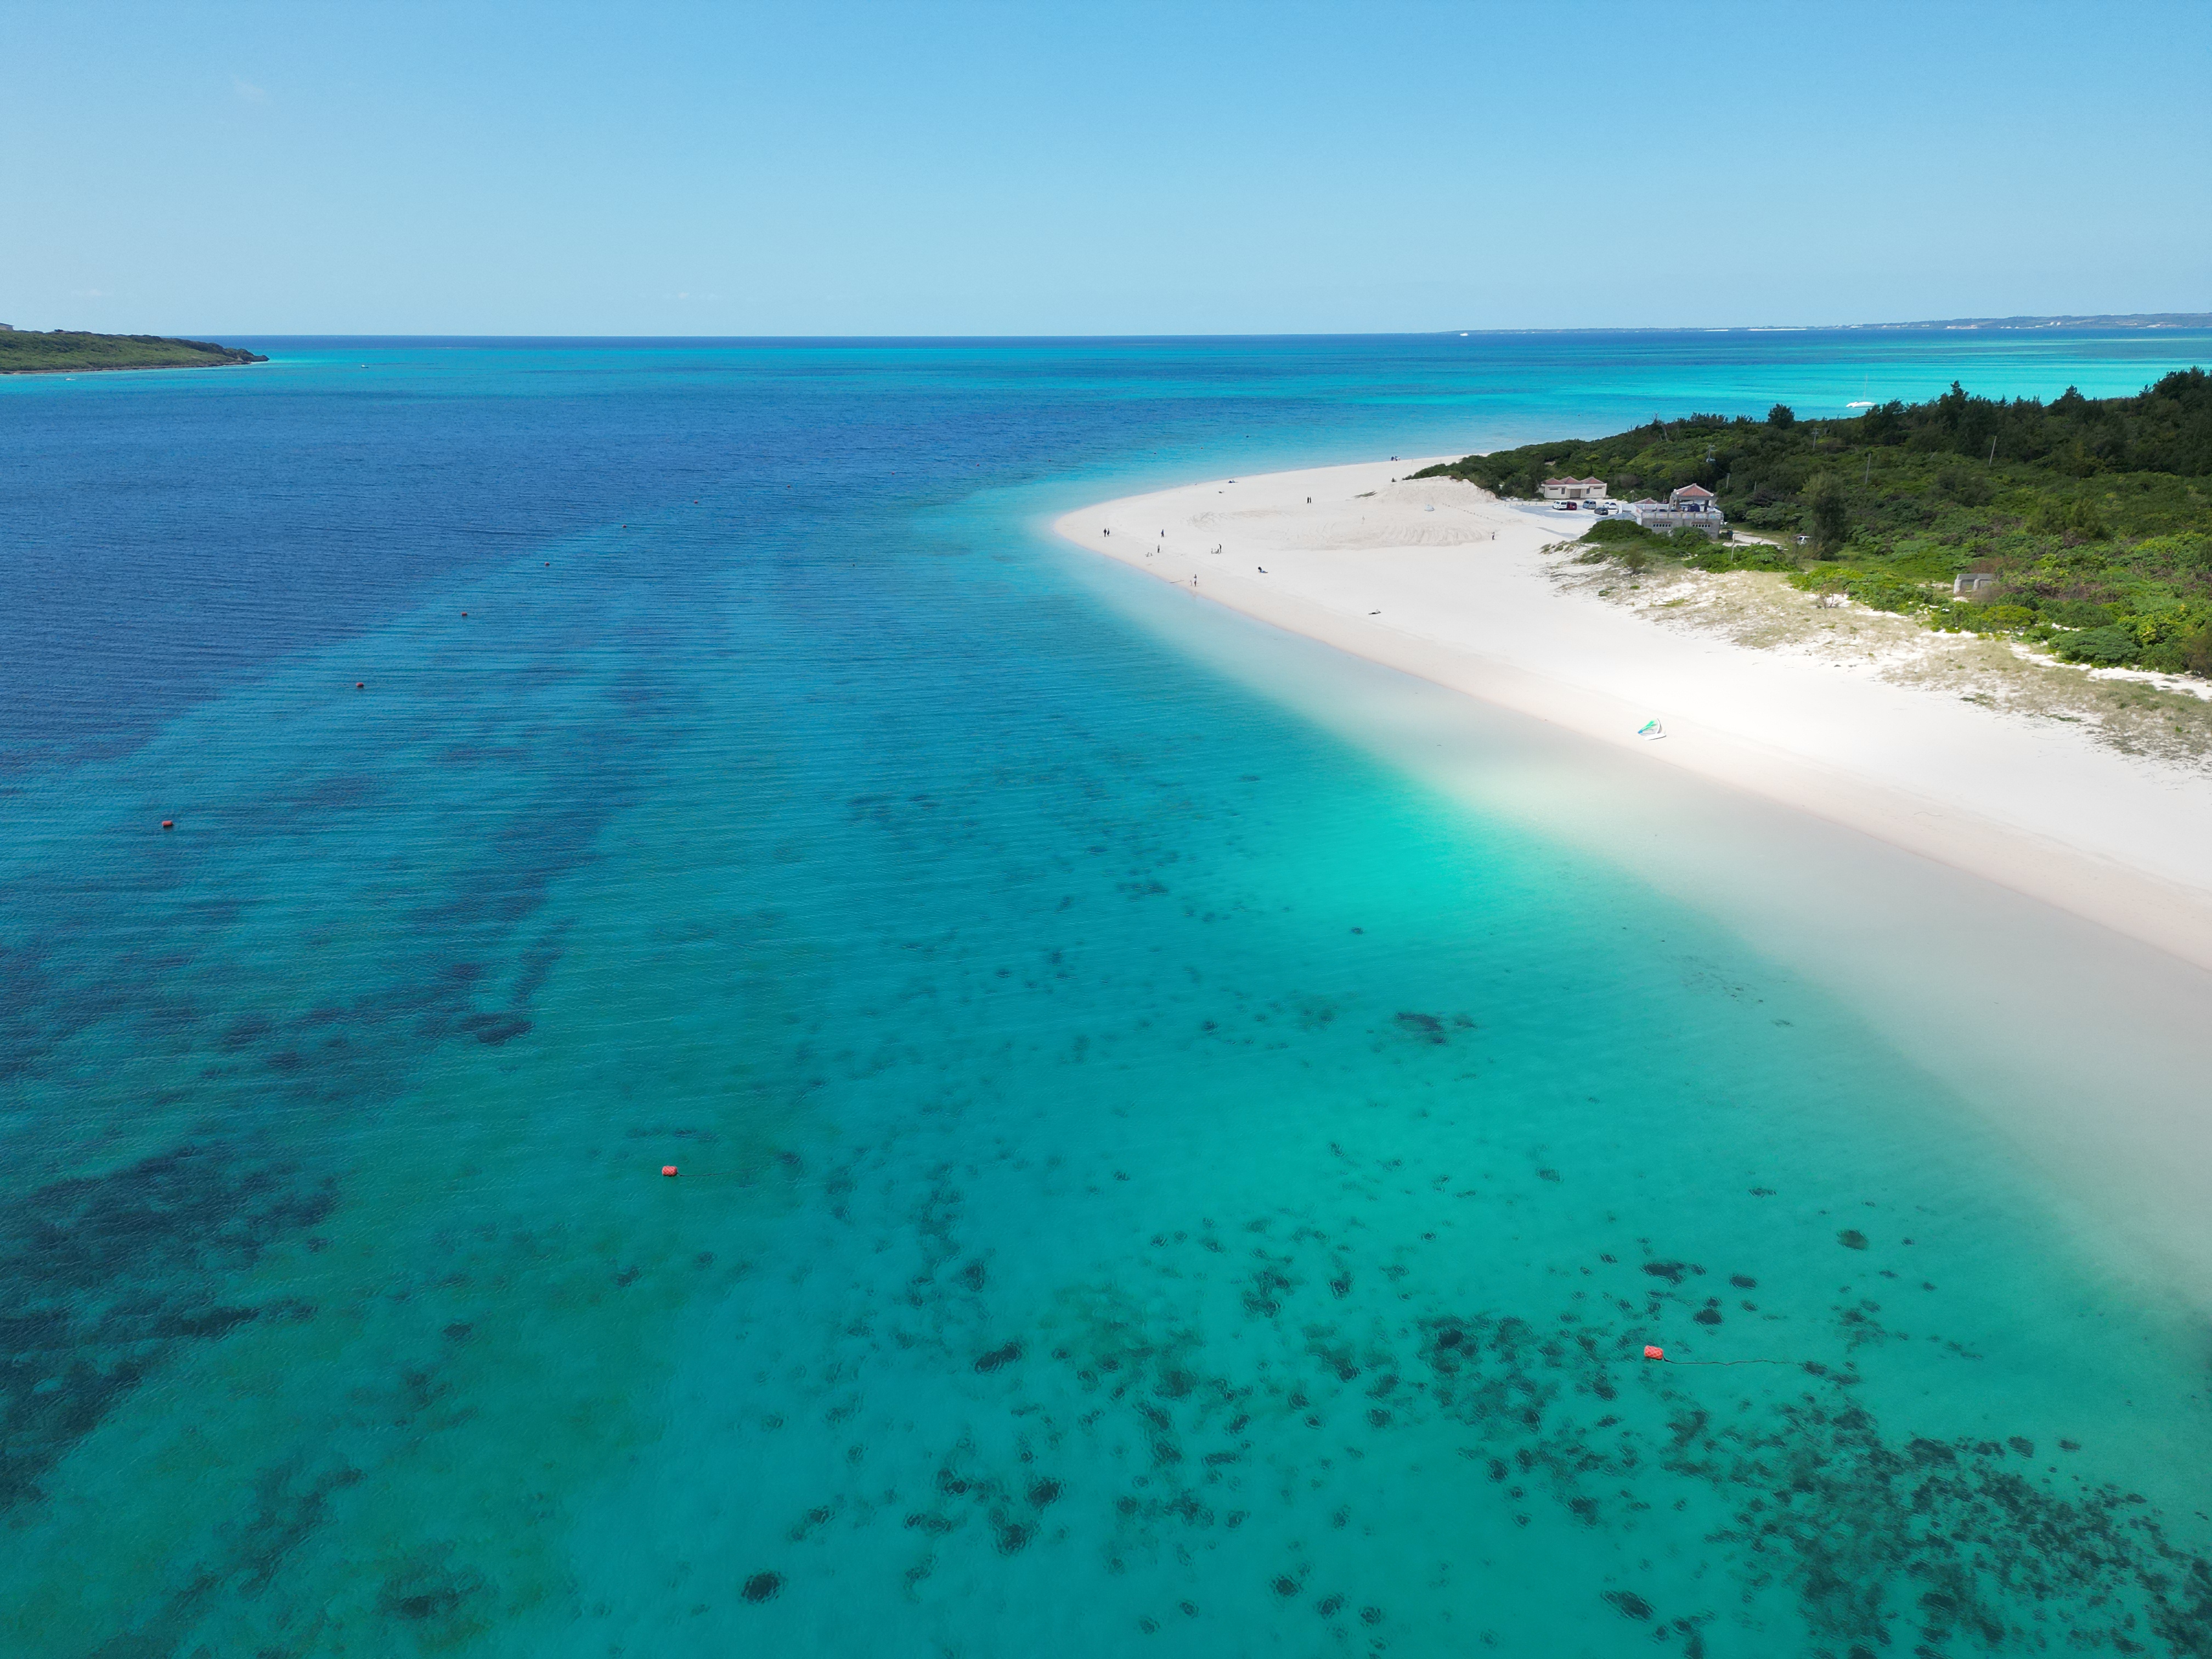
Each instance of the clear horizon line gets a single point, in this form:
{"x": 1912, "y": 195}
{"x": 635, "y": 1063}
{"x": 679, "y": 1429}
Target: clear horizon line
{"x": 2148, "y": 321}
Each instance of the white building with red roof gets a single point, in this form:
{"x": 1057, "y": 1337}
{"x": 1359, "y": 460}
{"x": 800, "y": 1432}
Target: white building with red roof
{"x": 1574, "y": 490}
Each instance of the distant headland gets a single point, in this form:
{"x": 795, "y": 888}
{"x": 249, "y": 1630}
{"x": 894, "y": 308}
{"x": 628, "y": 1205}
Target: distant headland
{"x": 2140, "y": 319}
{"x": 64, "y": 351}
{"x": 2155, "y": 320}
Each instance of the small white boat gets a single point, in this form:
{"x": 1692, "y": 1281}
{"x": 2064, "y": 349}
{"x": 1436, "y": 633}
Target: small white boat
{"x": 1651, "y": 731}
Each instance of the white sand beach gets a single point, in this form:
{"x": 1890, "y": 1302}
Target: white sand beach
{"x": 1439, "y": 579}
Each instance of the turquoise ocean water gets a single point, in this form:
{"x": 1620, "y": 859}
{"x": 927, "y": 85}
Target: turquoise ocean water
{"x": 1158, "y": 1175}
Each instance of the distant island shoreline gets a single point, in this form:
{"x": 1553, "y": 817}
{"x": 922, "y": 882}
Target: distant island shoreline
{"x": 135, "y": 369}
{"x": 2149, "y": 321}
{"x": 67, "y": 351}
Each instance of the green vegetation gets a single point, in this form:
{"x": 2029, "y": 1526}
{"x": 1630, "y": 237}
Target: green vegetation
{"x": 1630, "y": 543}
{"x": 27, "y": 352}
{"x": 2093, "y": 517}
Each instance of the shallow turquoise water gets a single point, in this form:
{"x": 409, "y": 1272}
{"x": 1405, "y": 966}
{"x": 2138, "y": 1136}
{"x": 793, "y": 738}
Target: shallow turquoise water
{"x": 1155, "y": 1175}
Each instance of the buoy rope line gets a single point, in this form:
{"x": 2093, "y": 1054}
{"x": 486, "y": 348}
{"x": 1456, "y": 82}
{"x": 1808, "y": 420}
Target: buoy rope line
{"x": 1657, "y": 1356}
{"x": 669, "y": 1172}
{"x": 1730, "y": 1362}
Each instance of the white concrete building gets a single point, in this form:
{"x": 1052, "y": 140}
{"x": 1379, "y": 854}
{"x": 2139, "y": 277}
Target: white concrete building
{"x": 1692, "y": 507}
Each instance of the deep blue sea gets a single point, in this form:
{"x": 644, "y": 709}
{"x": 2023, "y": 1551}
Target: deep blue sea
{"x": 1158, "y": 1175}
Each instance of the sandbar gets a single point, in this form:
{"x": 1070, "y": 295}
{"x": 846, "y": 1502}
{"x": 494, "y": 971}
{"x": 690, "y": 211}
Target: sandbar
{"x": 1438, "y": 578}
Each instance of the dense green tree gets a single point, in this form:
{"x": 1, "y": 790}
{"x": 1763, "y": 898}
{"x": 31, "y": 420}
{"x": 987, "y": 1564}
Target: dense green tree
{"x": 1827, "y": 513}
{"x": 1885, "y": 425}
{"x": 1781, "y": 416}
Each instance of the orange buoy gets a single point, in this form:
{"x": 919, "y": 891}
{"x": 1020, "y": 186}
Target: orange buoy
{"x": 668, "y": 1169}
{"x": 1651, "y": 1352}
{"x": 168, "y": 823}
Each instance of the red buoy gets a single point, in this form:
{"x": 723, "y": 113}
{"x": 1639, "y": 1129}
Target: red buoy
{"x": 668, "y": 1170}
{"x": 464, "y": 613}
{"x": 361, "y": 685}
{"x": 168, "y": 823}
{"x": 1651, "y": 1352}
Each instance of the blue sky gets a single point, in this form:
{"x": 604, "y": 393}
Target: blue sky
{"x": 1072, "y": 169}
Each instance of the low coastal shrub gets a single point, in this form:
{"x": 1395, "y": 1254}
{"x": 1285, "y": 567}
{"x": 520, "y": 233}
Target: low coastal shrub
{"x": 1624, "y": 541}
{"x": 1631, "y": 544}
{"x": 1742, "y": 555}
{"x": 2109, "y": 647}
{"x": 1606, "y": 532}
{"x": 1883, "y": 592}
{"x": 1973, "y": 616}
{"x": 2074, "y": 613}
{"x": 1877, "y": 590}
